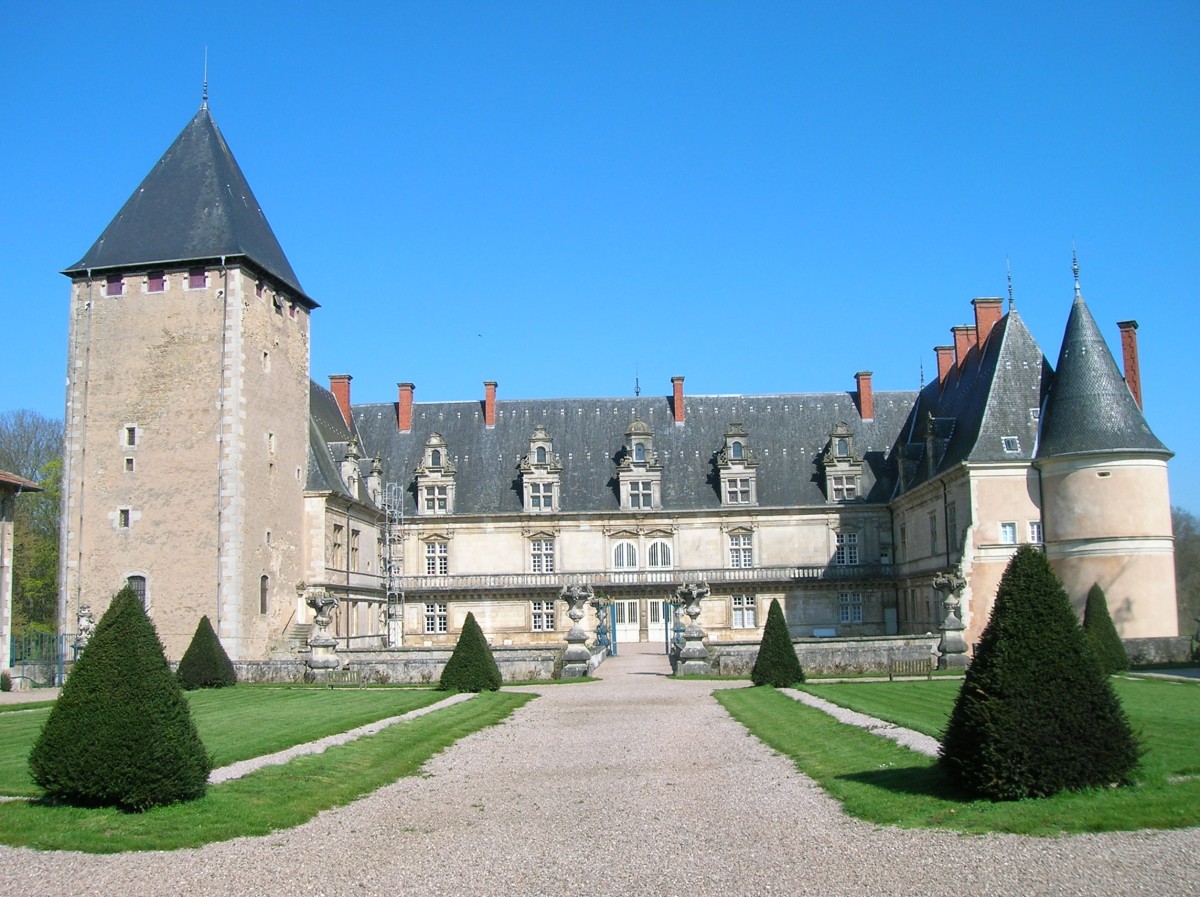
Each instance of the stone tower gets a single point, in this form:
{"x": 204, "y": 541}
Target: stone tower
{"x": 1105, "y": 502}
{"x": 187, "y": 408}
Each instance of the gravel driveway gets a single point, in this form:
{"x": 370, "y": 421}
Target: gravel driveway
{"x": 636, "y": 785}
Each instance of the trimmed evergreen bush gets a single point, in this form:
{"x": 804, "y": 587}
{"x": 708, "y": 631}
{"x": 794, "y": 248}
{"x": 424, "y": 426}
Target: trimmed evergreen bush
{"x": 1106, "y": 645}
{"x": 205, "y": 663}
{"x": 121, "y": 734}
{"x": 777, "y": 663}
{"x": 471, "y": 667}
{"x": 1036, "y": 715}
{"x": 5, "y": 681}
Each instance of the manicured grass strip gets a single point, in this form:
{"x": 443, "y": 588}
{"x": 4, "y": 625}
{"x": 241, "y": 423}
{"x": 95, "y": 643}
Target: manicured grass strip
{"x": 27, "y": 705}
{"x": 235, "y": 723}
{"x": 275, "y": 798}
{"x": 880, "y": 782}
{"x": 923, "y": 706}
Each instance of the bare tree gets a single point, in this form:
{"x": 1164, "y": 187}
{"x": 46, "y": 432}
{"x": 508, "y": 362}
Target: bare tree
{"x": 1187, "y": 568}
{"x": 27, "y": 441}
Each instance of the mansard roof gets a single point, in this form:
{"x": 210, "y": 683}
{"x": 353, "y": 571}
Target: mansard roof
{"x": 788, "y": 432}
{"x": 328, "y": 437}
{"x": 1090, "y": 408}
{"x": 195, "y": 205}
{"x": 988, "y": 400}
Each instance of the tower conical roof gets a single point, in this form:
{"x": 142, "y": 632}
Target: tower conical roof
{"x": 1090, "y": 409}
{"x": 194, "y": 205}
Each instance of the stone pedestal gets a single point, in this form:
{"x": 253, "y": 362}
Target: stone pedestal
{"x": 577, "y": 655}
{"x": 952, "y": 649}
{"x": 693, "y": 656}
{"x": 322, "y": 645}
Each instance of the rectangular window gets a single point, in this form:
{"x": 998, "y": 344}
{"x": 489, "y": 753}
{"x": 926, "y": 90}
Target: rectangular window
{"x": 437, "y": 617}
{"x": 847, "y": 549}
{"x": 543, "y": 616}
{"x": 741, "y": 551}
{"x": 354, "y": 538}
{"x": 640, "y": 494}
{"x": 129, "y": 465}
{"x": 933, "y": 539}
{"x": 114, "y": 285}
{"x": 123, "y": 518}
{"x": 437, "y": 559}
{"x": 130, "y": 437}
{"x": 850, "y": 607}
{"x": 903, "y": 542}
{"x": 844, "y": 488}
{"x": 1035, "y": 532}
{"x": 156, "y": 282}
{"x": 197, "y": 279}
{"x": 541, "y": 496}
{"x": 138, "y": 585}
{"x": 952, "y": 525}
{"x": 737, "y": 491}
{"x": 745, "y": 612}
{"x": 543, "y": 555}
{"x": 258, "y": 289}
{"x": 436, "y": 498}
{"x": 1011, "y": 444}
{"x": 336, "y": 545}
{"x": 1008, "y": 534}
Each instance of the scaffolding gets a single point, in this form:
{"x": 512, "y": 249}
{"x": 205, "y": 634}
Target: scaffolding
{"x": 392, "y": 561}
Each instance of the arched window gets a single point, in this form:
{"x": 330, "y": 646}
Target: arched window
{"x": 624, "y": 556}
{"x": 639, "y": 451}
{"x": 541, "y": 454}
{"x": 264, "y": 586}
{"x": 735, "y": 451}
{"x": 659, "y": 554}
{"x": 138, "y": 585}
{"x": 843, "y": 448}
{"x": 435, "y": 458}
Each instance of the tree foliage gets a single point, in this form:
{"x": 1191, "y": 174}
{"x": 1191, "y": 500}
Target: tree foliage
{"x": 471, "y": 667}
{"x": 1036, "y": 715}
{"x": 121, "y": 733}
{"x": 31, "y": 447}
{"x": 1187, "y": 569}
{"x": 1106, "y": 645}
{"x": 776, "y": 663}
{"x": 205, "y": 663}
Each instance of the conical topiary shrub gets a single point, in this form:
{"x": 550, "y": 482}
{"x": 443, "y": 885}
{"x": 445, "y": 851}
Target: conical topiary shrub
{"x": 205, "y": 663}
{"x": 777, "y": 663}
{"x": 471, "y": 667}
{"x": 121, "y": 734}
{"x": 1035, "y": 715}
{"x": 1106, "y": 645}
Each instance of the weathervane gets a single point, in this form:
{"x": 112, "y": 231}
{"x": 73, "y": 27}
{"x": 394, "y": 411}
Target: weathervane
{"x": 1075, "y": 270}
{"x": 204, "y": 91}
{"x": 1008, "y": 265}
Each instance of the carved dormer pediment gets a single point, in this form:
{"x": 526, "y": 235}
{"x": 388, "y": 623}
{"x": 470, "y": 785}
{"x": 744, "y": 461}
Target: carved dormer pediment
{"x": 639, "y": 471}
{"x": 540, "y": 470}
{"x": 843, "y": 465}
{"x": 435, "y": 478}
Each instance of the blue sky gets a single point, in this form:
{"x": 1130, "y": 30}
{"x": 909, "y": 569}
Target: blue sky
{"x": 563, "y": 197}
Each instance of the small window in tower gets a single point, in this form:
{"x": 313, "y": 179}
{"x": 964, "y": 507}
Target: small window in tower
{"x": 130, "y": 436}
{"x": 1012, "y": 444}
{"x": 114, "y": 285}
{"x": 129, "y": 465}
{"x": 277, "y": 301}
{"x": 197, "y": 279}
{"x": 156, "y": 282}
{"x": 123, "y": 518}
{"x": 258, "y": 289}
{"x": 264, "y": 589}
{"x": 291, "y": 309}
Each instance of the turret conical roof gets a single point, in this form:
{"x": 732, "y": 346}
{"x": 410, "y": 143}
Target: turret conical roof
{"x": 194, "y": 205}
{"x": 1090, "y": 409}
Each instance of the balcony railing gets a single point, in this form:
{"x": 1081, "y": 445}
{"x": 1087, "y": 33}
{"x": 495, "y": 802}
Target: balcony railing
{"x": 544, "y": 582}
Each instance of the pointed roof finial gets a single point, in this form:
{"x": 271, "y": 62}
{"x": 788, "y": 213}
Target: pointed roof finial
{"x": 1008, "y": 265}
{"x": 922, "y": 364}
{"x": 1075, "y": 271}
{"x": 204, "y": 92}
{"x": 637, "y": 379}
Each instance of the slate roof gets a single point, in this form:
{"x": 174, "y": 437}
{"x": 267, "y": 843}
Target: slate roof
{"x": 1090, "y": 408}
{"x": 195, "y": 205}
{"x": 995, "y": 395}
{"x": 328, "y": 436}
{"x": 787, "y": 433}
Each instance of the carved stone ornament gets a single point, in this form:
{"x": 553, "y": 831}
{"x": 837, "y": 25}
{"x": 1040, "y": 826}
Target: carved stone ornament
{"x": 577, "y": 655}
{"x": 85, "y": 625}
{"x": 952, "y": 649}
{"x": 693, "y": 656}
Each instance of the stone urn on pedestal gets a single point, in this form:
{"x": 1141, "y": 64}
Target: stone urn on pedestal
{"x": 577, "y": 655}
{"x": 322, "y": 645}
{"x": 693, "y": 656}
{"x": 952, "y": 649}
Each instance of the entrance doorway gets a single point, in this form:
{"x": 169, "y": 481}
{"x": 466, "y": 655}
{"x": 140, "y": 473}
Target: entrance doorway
{"x": 626, "y": 620}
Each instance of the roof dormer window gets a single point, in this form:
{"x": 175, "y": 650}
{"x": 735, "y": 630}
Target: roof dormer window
{"x": 843, "y": 466}
{"x": 435, "y": 478}
{"x": 738, "y": 469}
{"x": 540, "y": 470}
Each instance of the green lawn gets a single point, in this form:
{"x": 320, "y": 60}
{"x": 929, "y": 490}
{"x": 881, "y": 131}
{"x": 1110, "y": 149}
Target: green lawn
{"x": 273, "y": 798}
{"x": 235, "y": 723}
{"x": 878, "y": 781}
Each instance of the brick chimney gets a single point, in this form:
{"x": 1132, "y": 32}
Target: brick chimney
{"x": 964, "y": 339}
{"x": 1129, "y": 353}
{"x": 988, "y": 312}
{"x": 866, "y": 399}
{"x": 339, "y": 385}
{"x": 404, "y": 408}
{"x": 945, "y": 362}
{"x": 489, "y": 403}
{"x": 677, "y": 399}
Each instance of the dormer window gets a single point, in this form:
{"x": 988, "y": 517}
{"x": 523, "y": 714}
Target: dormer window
{"x": 639, "y": 472}
{"x": 435, "y": 479}
{"x": 843, "y": 466}
{"x": 540, "y": 470}
{"x": 738, "y": 469}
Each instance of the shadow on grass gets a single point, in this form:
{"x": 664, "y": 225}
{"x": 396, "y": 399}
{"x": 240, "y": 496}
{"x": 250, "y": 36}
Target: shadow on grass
{"x": 923, "y": 781}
